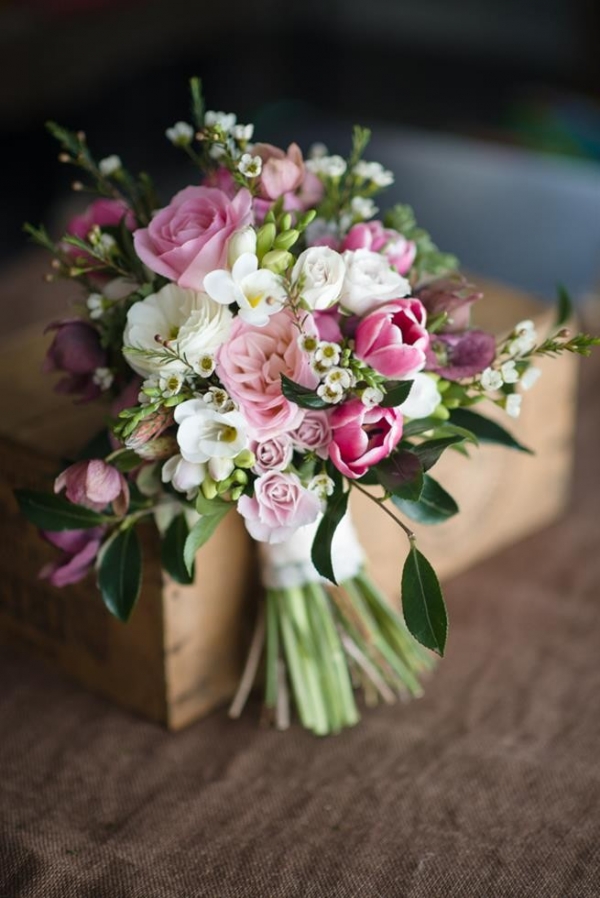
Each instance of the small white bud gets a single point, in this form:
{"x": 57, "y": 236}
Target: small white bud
{"x": 322, "y": 485}
{"x": 109, "y": 165}
{"x": 513, "y": 405}
{"x": 180, "y": 134}
{"x": 371, "y": 396}
{"x": 103, "y": 378}
{"x": 530, "y": 377}
{"x": 509, "y": 372}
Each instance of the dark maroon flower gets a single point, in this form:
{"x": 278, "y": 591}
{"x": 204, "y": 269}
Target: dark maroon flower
{"x": 76, "y": 351}
{"x": 79, "y": 551}
{"x": 455, "y": 356}
{"x": 453, "y": 295}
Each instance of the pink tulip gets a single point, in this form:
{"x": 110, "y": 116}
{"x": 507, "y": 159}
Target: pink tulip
{"x": 94, "y": 484}
{"x": 372, "y": 235}
{"x": 363, "y": 436}
{"x": 393, "y": 339}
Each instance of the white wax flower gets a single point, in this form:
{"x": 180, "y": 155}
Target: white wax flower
{"x": 205, "y": 433}
{"x": 363, "y": 207}
{"x": 189, "y": 322}
{"x": 240, "y": 242}
{"x": 103, "y": 378}
{"x": 95, "y": 304}
{"x": 224, "y": 120}
{"x": 319, "y": 273}
{"x": 370, "y": 282}
{"x": 329, "y": 166}
{"x": 339, "y": 376}
{"x": 170, "y": 383}
{"x": 180, "y": 134}
{"x": 109, "y": 165}
{"x": 530, "y": 377}
{"x": 509, "y": 372}
{"x": 371, "y": 396}
{"x": 184, "y": 476}
{"x": 374, "y": 172}
{"x": 242, "y": 133}
{"x": 423, "y": 399}
{"x": 513, "y": 405}
{"x": 258, "y": 292}
{"x": 490, "y": 380}
{"x": 322, "y": 485}
{"x": 317, "y": 150}
{"x": 525, "y": 340}
{"x": 331, "y": 393}
{"x": 327, "y": 354}
{"x": 251, "y": 166}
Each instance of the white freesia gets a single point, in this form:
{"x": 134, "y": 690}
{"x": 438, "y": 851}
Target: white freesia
{"x": 319, "y": 272}
{"x": 220, "y": 468}
{"x": 188, "y": 322}
{"x": 205, "y": 433}
{"x": 185, "y": 476}
{"x": 258, "y": 292}
{"x": 240, "y": 242}
{"x": 423, "y": 399}
{"x": 370, "y": 282}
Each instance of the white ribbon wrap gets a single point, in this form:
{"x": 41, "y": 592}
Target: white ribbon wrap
{"x": 288, "y": 564}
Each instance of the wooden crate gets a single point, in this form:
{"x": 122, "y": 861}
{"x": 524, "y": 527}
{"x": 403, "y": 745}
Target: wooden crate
{"x": 181, "y": 653}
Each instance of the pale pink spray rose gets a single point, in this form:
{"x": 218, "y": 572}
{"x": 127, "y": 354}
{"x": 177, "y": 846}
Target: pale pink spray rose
{"x": 94, "y": 484}
{"x": 372, "y": 235}
{"x": 101, "y": 213}
{"x": 393, "y": 339}
{"x": 280, "y": 506}
{"x": 79, "y": 551}
{"x": 250, "y": 366}
{"x": 313, "y": 433}
{"x": 188, "y": 238}
{"x": 274, "y": 454}
{"x": 76, "y": 351}
{"x": 283, "y": 174}
{"x": 363, "y": 436}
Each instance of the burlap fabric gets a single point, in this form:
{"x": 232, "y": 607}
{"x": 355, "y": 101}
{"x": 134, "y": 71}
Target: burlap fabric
{"x": 489, "y": 787}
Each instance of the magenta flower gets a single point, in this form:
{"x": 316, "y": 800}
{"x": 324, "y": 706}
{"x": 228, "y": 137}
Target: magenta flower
{"x": 363, "y": 436}
{"x": 393, "y": 339}
{"x": 101, "y": 213}
{"x": 79, "y": 551}
{"x": 372, "y": 235}
{"x": 76, "y": 351}
{"x": 94, "y": 484}
{"x": 189, "y": 237}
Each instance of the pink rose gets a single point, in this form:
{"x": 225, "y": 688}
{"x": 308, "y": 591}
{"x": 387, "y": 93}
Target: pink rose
{"x": 188, "y": 238}
{"x": 283, "y": 174}
{"x": 76, "y": 351}
{"x": 363, "y": 436}
{"x": 250, "y": 366}
{"x": 313, "y": 433}
{"x": 372, "y": 235}
{"x": 274, "y": 454}
{"x": 103, "y": 213}
{"x": 393, "y": 339}
{"x": 280, "y": 506}
{"x": 94, "y": 484}
{"x": 79, "y": 548}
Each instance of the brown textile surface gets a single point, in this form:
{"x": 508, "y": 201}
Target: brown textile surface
{"x": 489, "y": 786}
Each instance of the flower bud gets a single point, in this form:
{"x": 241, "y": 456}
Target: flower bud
{"x": 286, "y": 239}
{"x": 94, "y": 484}
{"x": 244, "y": 459}
{"x": 265, "y": 238}
{"x": 277, "y": 260}
{"x": 240, "y": 242}
{"x": 209, "y": 488}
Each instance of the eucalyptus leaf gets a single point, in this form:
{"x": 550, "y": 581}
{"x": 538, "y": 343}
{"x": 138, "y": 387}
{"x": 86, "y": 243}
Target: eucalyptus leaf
{"x": 302, "y": 396}
{"x": 396, "y": 392}
{"x": 434, "y": 505}
{"x": 50, "y": 512}
{"x": 200, "y": 533}
{"x": 486, "y": 430}
{"x": 422, "y": 602}
{"x": 321, "y": 547}
{"x": 120, "y": 573}
{"x": 172, "y": 551}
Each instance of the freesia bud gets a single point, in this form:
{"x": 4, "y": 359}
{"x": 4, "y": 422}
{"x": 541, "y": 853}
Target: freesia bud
{"x": 277, "y": 261}
{"x": 265, "y": 238}
{"x": 240, "y": 242}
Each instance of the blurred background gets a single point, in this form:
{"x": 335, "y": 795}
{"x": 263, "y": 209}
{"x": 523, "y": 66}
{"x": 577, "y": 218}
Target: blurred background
{"x": 487, "y": 110}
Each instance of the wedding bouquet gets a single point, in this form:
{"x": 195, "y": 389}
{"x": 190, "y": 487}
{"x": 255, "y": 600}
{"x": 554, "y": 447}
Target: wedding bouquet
{"x": 268, "y": 346}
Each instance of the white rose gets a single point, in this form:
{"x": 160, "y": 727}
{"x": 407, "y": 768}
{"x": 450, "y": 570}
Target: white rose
{"x": 370, "y": 282}
{"x": 190, "y": 323}
{"x": 423, "y": 399}
{"x": 320, "y": 272}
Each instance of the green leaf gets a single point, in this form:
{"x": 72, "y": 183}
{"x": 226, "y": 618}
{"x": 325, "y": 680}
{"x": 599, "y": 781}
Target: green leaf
{"x": 50, "y": 512}
{"x": 200, "y": 533}
{"x": 401, "y": 474}
{"x": 396, "y": 392}
{"x": 485, "y": 430}
{"x": 206, "y": 506}
{"x": 321, "y": 547}
{"x": 172, "y": 551}
{"x": 423, "y": 603}
{"x": 197, "y": 102}
{"x": 434, "y": 505}
{"x": 429, "y": 452}
{"x": 120, "y": 573}
{"x": 438, "y": 428}
{"x": 302, "y": 396}
{"x": 565, "y": 306}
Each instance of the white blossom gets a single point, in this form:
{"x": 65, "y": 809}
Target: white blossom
{"x": 331, "y": 393}
{"x": 328, "y": 166}
{"x": 371, "y": 396}
{"x": 339, "y": 377}
{"x": 319, "y": 274}
{"x": 258, "y": 292}
{"x": 184, "y": 476}
{"x": 250, "y": 166}
{"x": 509, "y": 372}
{"x": 317, "y": 151}
{"x": 370, "y": 281}
{"x": 423, "y": 399}
{"x": 490, "y": 380}
{"x": 180, "y": 134}
{"x": 513, "y": 405}
{"x": 219, "y": 399}
{"x": 530, "y": 377}
{"x": 322, "y": 485}
{"x": 308, "y": 343}
{"x": 525, "y": 340}
{"x": 220, "y": 468}
{"x": 103, "y": 378}
{"x": 242, "y": 133}
{"x": 327, "y": 354}
{"x": 374, "y": 172}
{"x": 188, "y": 322}
{"x": 241, "y": 241}
{"x": 363, "y": 207}
{"x": 223, "y": 120}
{"x": 95, "y": 304}
{"x": 204, "y": 433}
{"x": 170, "y": 384}
{"x": 109, "y": 165}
